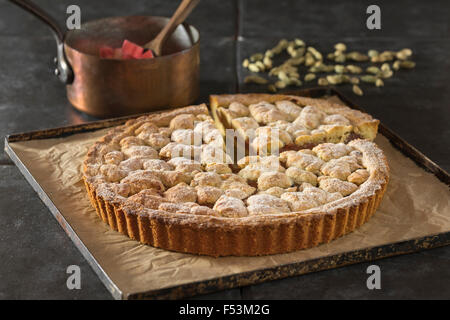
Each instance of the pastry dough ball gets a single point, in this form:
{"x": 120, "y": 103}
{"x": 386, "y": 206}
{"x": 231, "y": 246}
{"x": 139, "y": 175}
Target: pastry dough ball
{"x": 245, "y": 123}
{"x": 359, "y": 176}
{"x": 141, "y": 180}
{"x": 181, "y": 193}
{"x": 206, "y": 179}
{"x": 319, "y": 195}
{"x": 240, "y": 191}
{"x": 293, "y": 129}
{"x": 218, "y": 168}
{"x": 289, "y": 108}
{"x": 141, "y": 151}
{"x": 287, "y": 155}
{"x": 299, "y": 201}
{"x": 231, "y": 178}
{"x": 273, "y": 133}
{"x": 264, "y": 145}
{"x": 112, "y": 172}
{"x": 238, "y": 110}
{"x": 230, "y": 207}
{"x": 108, "y": 190}
{"x": 182, "y": 121}
{"x": 254, "y": 170}
{"x": 310, "y": 117}
{"x": 172, "y": 178}
{"x": 336, "y": 119}
{"x": 334, "y": 196}
{"x": 175, "y": 150}
{"x": 352, "y": 161}
{"x": 215, "y": 139}
{"x": 251, "y": 172}
{"x": 328, "y": 151}
{"x": 269, "y": 162}
{"x": 277, "y": 191}
{"x": 92, "y": 169}
{"x": 156, "y": 165}
{"x": 185, "y": 165}
{"x": 187, "y": 136}
{"x": 336, "y": 169}
{"x": 245, "y": 126}
{"x": 273, "y": 179}
{"x": 131, "y": 164}
{"x": 130, "y": 141}
{"x": 318, "y": 132}
{"x": 165, "y": 131}
{"x": 211, "y": 155}
{"x": 264, "y": 113}
{"x": 308, "y": 151}
{"x": 357, "y": 155}
{"x": 203, "y": 127}
{"x": 114, "y": 157}
{"x": 104, "y": 149}
{"x": 208, "y": 195}
{"x": 302, "y": 159}
{"x": 147, "y": 198}
{"x": 209, "y": 133}
{"x": 176, "y": 161}
{"x": 147, "y": 127}
{"x": 203, "y": 211}
{"x": 155, "y": 140}
{"x": 332, "y": 185}
{"x": 266, "y": 204}
{"x": 236, "y": 186}
{"x": 299, "y": 176}
{"x": 340, "y": 168}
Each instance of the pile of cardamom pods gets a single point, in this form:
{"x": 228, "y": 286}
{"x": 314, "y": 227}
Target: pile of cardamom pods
{"x": 340, "y": 69}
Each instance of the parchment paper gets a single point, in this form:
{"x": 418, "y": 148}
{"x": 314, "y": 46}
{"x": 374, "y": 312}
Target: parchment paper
{"x": 416, "y": 204}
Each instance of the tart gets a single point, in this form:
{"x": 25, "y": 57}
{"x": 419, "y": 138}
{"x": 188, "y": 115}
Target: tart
{"x": 166, "y": 180}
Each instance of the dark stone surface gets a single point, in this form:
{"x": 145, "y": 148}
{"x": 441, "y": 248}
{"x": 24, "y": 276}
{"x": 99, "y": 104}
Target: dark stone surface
{"x": 213, "y": 18}
{"x": 339, "y": 20}
{"x": 36, "y": 252}
{"x": 415, "y": 276}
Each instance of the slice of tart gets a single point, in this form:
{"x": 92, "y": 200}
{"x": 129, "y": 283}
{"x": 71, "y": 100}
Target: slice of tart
{"x": 299, "y": 122}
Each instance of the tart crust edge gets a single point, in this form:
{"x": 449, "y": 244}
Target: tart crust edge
{"x": 282, "y": 235}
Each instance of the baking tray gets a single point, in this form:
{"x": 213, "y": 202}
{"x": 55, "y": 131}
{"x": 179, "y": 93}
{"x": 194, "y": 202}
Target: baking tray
{"x": 245, "y": 278}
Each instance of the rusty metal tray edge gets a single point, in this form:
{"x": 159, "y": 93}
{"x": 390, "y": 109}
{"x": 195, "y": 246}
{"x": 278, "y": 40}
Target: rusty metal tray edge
{"x": 247, "y": 278}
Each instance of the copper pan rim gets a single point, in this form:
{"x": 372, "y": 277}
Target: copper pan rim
{"x": 193, "y": 30}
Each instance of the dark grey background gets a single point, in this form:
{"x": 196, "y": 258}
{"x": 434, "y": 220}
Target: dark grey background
{"x": 34, "y": 250}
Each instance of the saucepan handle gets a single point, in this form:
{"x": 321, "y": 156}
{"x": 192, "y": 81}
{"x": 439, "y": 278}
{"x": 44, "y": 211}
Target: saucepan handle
{"x": 63, "y": 69}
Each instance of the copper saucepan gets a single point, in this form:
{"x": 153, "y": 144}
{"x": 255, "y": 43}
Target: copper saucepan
{"x": 112, "y": 87}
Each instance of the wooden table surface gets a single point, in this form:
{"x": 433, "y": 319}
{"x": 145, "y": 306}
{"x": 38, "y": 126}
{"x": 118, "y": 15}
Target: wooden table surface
{"x": 35, "y": 251}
